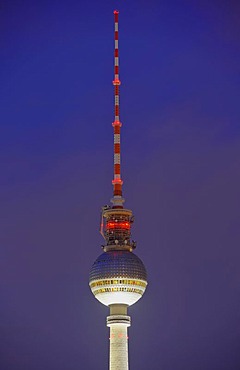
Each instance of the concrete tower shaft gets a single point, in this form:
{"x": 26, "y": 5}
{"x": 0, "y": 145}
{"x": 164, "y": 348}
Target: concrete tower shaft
{"x": 118, "y": 322}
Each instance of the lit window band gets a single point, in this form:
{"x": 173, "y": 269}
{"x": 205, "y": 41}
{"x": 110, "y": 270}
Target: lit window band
{"x": 118, "y": 289}
{"x": 118, "y": 282}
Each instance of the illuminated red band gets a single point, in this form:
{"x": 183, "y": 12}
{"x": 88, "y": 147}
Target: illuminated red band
{"x": 118, "y": 225}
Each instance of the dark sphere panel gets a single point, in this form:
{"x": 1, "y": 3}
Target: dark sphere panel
{"x": 116, "y": 264}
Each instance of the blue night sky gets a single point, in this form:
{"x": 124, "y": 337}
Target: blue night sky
{"x": 179, "y": 67}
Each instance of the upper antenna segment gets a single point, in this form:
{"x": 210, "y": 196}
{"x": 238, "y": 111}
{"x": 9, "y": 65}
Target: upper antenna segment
{"x": 117, "y": 181}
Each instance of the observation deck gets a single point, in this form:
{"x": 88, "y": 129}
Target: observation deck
{"x": 116, "y": 229}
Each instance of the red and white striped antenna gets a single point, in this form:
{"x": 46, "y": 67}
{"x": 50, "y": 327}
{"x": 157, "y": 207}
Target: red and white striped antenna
{"x": 117, "y": 181}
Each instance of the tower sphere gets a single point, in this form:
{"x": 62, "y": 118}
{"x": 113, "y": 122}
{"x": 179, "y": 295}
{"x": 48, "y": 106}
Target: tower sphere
{"x": 118, "y": 277}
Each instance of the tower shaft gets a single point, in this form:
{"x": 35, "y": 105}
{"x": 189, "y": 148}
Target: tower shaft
{"x": 118, "y": 321}
{"x": 118, "y": 358}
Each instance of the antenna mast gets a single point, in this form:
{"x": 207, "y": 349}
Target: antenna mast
{"x": 117, "y": 181}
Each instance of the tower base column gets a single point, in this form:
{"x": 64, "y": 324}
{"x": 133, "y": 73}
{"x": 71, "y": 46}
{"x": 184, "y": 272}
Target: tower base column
{"x": 118, "y": 323}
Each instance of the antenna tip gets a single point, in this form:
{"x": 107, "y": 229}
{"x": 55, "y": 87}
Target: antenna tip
{"x": 116, "y": 12}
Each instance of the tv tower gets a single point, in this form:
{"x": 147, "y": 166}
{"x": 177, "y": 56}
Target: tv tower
{"x": 118, "y": 277}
